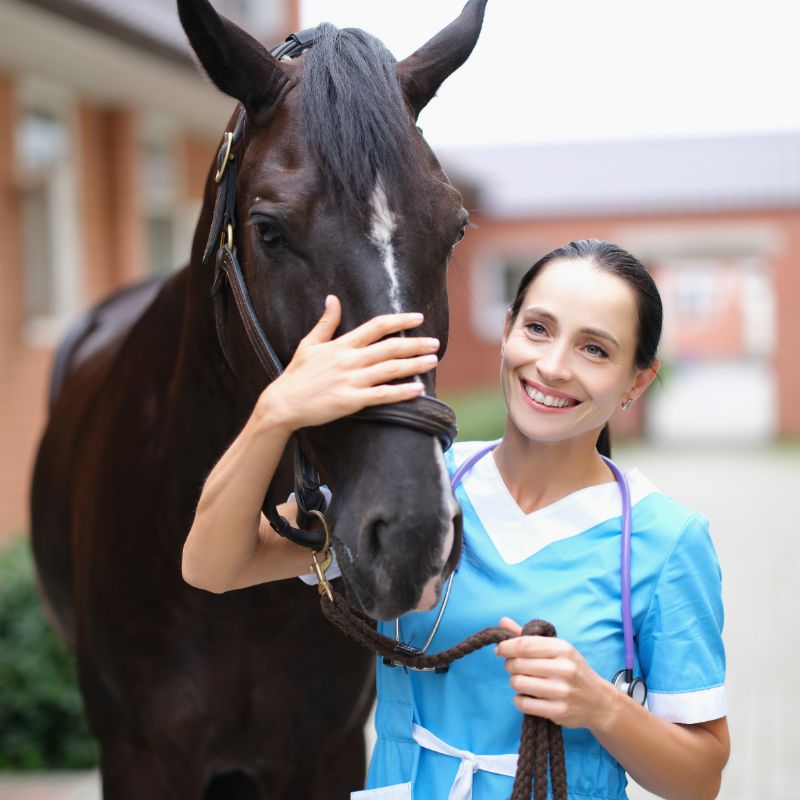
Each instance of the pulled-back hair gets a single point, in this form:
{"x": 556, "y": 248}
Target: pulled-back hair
{"x": 612, "y": 259}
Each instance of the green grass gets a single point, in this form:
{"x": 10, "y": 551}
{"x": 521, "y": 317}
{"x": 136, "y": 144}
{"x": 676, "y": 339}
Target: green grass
{"x": 481, "y": 413}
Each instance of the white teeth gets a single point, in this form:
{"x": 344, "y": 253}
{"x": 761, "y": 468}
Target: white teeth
{"x": 548, "y": 400}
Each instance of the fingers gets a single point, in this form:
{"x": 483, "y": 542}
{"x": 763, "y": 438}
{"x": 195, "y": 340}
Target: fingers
{"x": 376, "y": 328}
{"x": 546, "y": 668}
{"x": 328, "y": 323}
{"x": 397, "y": 368}
{"x": 510, "y": 625}
{"x": 531, "y": 647}
{"x": 397, "y": 347}
{"x": 541, "y": 688}
{"x": 547, "y": 709}
{"x": 390, "y": 393}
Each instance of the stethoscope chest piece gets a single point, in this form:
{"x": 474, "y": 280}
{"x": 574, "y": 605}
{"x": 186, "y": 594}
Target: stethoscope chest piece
{"x": 633, "y": 687}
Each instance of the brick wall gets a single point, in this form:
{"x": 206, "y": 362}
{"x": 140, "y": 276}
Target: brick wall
{"x": 472, "y": 360}
{"x": 23, "y": 369}
{"x": 112, "y": 246}
{"x": 787, "y": 358}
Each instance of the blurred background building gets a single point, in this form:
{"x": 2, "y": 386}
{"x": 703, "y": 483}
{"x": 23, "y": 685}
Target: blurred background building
{"x": 107, "y": 130}
{"x": 106, "y": 133}
{"x": 717, "y": 222}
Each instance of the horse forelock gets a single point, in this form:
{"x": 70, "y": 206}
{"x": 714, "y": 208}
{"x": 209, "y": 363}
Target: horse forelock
{"x": 355, "y": 117}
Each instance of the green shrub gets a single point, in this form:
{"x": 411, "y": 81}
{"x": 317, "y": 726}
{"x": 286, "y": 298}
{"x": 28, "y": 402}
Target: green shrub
{"x": 481, "y": 412}
{"x": 41, "y": 712}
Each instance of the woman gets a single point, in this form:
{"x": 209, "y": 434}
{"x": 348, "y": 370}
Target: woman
{"x": 541, "y": 538}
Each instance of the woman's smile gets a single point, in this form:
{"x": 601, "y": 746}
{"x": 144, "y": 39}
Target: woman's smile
{"x": 546, "y": 400}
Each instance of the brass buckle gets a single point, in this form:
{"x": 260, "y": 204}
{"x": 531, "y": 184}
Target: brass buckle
{"x": 322, "y": 559}
{"x": 226, "y": 237}
{"x": 228, "y": 144}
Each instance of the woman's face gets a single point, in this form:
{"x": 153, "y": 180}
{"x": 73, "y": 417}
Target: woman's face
{"x": 567, "y": 360}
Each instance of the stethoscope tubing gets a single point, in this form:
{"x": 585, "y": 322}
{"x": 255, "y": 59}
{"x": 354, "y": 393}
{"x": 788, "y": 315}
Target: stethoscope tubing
{"x": 625, "y": 547}
{"x": 625, "y": 558}
{"x": 625, "y": 562}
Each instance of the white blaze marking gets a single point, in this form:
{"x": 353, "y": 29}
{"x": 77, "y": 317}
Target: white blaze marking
{"x": 382, "y": 228}
{"x": 380, "y": 234}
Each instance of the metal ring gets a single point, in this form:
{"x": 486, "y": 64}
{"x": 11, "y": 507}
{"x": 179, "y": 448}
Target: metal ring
{"x": 321, "y": 518}
{"x": 228, "y": 145}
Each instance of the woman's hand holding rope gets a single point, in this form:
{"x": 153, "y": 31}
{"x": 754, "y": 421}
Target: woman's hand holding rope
{"x": 553, "y": 681}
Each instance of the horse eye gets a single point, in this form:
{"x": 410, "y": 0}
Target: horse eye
{"x": 269, "y": 234}
{"x": 460, "y": 235}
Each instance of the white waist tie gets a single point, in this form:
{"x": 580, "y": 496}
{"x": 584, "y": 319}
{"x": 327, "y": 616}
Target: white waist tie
{"x": 470, "y": 762}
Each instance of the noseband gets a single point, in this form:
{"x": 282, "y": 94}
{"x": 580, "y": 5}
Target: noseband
{"x": 425, "y": 414}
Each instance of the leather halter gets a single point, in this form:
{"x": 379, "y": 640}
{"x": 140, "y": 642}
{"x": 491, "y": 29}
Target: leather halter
{"x": 425, "y": 414}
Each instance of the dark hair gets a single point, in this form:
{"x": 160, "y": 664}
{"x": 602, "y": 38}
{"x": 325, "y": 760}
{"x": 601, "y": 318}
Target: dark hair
{"x": 356, "y": 121}
{"x": 614, "y": 260}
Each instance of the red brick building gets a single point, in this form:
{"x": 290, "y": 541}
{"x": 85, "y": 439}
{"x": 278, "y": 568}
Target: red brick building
{"x": 716, "y": 219}
{"x": 106, "y": 133}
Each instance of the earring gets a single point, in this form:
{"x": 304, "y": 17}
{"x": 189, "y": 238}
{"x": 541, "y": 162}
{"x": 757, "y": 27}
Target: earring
{"x": 625, "y": 406}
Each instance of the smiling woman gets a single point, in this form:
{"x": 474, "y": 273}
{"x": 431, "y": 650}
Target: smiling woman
{"x": 542, "y": 538}
{"x": 557, "y": 322}
{"x": 541, "y": 520}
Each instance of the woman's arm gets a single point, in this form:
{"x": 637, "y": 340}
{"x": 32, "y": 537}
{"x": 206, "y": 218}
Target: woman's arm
{"x": 554, "y": 681}
{"x": 666, "y": 758}
{"x": 230, "y": 544}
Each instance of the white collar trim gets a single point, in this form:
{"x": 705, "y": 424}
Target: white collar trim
{"x": 516, "y": 535}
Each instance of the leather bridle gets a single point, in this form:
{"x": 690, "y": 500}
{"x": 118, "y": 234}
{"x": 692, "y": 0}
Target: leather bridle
{"x": 424, "y": 413}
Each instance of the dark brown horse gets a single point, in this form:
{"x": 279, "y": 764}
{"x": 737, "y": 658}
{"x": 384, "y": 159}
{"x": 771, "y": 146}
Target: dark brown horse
{"x": 252, "y": 694}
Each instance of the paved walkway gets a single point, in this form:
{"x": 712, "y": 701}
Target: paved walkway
{"x": 55, "y": 786}
{"x": 750, "y": 497}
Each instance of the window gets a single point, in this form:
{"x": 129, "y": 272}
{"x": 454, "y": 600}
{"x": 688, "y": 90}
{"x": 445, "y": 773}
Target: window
{"x": 697, "y": 289}
{"x": 495, "y": 279}
{"x": 158, "y": 170}
{"x": 43, "y": 142}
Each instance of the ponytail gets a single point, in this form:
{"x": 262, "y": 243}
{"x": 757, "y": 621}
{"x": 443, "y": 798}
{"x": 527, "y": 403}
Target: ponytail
{"x": 604, "y": 442}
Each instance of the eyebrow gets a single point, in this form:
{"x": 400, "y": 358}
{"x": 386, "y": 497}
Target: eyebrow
{"x": 543, "y": 312}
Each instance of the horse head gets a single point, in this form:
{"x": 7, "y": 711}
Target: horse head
{"x": 338, "y": 193}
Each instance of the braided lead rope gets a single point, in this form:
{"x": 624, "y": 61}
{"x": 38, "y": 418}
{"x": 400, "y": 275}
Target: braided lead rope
{"x": 541, "y": 740}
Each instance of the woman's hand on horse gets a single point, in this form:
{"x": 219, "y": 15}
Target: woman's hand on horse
{"x": 330, "y": 378}
{"x": 552, "y": 680}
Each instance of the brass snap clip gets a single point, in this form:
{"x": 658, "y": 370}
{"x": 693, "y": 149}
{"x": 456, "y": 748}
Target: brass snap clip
{"x": 322, "y": 559}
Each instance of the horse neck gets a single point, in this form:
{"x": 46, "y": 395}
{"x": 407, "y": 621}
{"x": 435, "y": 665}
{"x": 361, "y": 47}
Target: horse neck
{"x": 203, "y": 387}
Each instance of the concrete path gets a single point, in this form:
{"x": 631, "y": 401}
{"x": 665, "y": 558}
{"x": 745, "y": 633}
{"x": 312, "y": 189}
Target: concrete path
{"x": 751, "y": 498}
{"x": 83, "y": 785}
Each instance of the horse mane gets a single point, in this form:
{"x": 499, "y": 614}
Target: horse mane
{"x": 355, "y": 116}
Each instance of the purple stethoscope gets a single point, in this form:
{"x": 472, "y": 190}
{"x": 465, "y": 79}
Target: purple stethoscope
{"x": 624, "y": 680}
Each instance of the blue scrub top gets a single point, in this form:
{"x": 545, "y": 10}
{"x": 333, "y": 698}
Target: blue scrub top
{"x": 560, "y": 563}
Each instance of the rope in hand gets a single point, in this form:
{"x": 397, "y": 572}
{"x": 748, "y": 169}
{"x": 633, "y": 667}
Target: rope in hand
{"x": 540, "y": 741}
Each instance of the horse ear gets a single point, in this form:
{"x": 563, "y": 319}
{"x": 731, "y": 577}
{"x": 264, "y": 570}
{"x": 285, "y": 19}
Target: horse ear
{"x": 236, "y": 63}
{"x": 423, "y": 72}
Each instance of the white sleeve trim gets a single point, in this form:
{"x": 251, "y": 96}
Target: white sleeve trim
{"x": 689, "y": 707}
{"x": 333, "y": 572}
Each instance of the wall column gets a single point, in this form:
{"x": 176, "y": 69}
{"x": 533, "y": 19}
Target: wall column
{"x": 113, "y": 240}
{"x": 787, "y": 293}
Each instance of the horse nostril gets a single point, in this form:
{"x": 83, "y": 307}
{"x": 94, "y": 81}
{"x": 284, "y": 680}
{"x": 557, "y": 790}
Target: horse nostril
{"x": 372, "y": 543}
